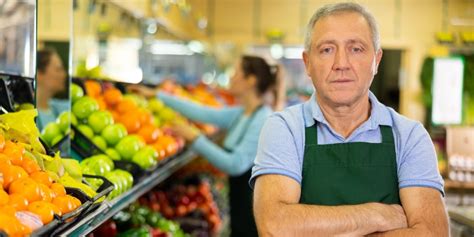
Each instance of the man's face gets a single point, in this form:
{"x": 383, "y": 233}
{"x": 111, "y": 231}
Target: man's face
{"x": 342, "y": 60}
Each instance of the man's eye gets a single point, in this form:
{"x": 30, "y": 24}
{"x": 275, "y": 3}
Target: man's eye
{"x": 357, "y": 50}
{"x": 326, "y": 50}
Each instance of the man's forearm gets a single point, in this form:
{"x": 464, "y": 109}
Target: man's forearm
{"x": 309, "y": 220}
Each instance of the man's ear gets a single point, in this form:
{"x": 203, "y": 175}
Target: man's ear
{"x": 306, "y": 62}
{"x": 378, "y": 58}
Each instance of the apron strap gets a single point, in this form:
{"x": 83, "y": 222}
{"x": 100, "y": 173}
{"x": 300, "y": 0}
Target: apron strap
{"x": 311, "y": 134}
{"x": 387, "y": 134}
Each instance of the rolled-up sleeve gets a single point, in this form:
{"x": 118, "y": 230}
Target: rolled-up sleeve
{"x": 277, "y": 151}
{"x": 418, "y": 164}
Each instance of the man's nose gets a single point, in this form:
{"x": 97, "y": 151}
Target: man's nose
{"x": 341, "y": 61}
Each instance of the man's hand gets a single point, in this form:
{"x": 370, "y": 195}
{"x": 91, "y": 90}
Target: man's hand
{"x": 390, "y": 216}
{"x": 278, "y": 213}
{"x": 185, "y": 130}
{"x": 142, "y": 90}
{"x": 425, "y": 211}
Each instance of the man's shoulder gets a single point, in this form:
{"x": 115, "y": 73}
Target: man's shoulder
{"x": 403, "y": 126}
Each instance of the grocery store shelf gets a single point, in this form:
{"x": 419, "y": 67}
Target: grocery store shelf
{"x": 109, "y": 208}
{"x": 463, "y": 215}
{"x": 450, "y": 184}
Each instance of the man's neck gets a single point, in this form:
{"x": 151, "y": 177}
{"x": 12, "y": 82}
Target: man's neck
{"x": 344, "y": 119}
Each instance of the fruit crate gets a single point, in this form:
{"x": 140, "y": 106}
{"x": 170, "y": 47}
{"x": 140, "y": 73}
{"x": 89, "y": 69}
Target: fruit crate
{"x": 62, "y": 222}
{"x": 88, "y": 206}
{"x": 15, "y": 89}
{"x": 82, "y": 145}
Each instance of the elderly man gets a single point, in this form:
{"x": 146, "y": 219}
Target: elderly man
{"x": 342, "y": 163}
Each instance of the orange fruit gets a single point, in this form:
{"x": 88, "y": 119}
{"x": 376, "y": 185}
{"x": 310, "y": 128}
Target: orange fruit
{"x": 12, "y": 173}
{"x": 18, "y": 201}
{"x": 44, "y": 210}
{"x": 3, "y": 198}
{"x": 93, "y": 88}
{"x": 46, "y": 193}
{"x": 170, "y": 145}
{"x": 42, "y": 177}
{"x": 28, "y": 187}
{"x": 150, "y": 133}
{"x": 14, "y": 151}
{"x": 2, "y": 142}
{"x": 131, "y": 122}
{"x": 101, "y": 103}
{"x": 112, "y": 96}
{"x": 126, "y": 105}
{"x": 5, "y": 159}
{"x": 66, "y": 203}
{"x": 58, "y": 189}
{"x": 8, "y": 210}
{"x": 146, "y": 117}
{"x": 160, "y": 149}
{"x": 30, "y": 166}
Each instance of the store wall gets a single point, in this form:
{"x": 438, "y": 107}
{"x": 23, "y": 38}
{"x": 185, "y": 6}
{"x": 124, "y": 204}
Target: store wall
{"x": 404, "y": 24}
{"x": 407, "y": 25}
{"x": 54, "y": 20}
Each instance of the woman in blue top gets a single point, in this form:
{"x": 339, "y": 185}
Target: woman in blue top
{"x": 252, "y": 80}
{"x": 50, "y": 80}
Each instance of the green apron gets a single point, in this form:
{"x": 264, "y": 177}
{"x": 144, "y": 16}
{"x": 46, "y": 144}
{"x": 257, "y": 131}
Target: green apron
{"x": 349, "y": 173}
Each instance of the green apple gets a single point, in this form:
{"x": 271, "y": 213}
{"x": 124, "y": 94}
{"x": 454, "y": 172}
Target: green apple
{"x": 155, "y": 105}
{"x": 87, "y": 170}
{"x": 113, "y": 154}
{"x": 118, "y": 183}
{"x": 126, "y": 176}
{"x": 84, "y": 107}
{"x": 105, "y": 158}
{"x": 99, "y": 166}
{"x": 98, "y": 120}
{"x": 76, "y": 92}
{"x": 128, "y": 146}
{"x": 114, "y": 133}
{"x": 146, "y": 157}
{"x": 167, "y": 114}
{"x": 100, "y": 142}
{"x": 64, "y": 121}
{"x": 56, "y": 139}
{"x": 86, "y": 131}
{"x": 51, "y": 131}
{"x": 73, "y": 119}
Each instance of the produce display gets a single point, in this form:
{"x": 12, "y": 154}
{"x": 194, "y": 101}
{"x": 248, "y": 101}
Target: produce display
{"x": 121, "y": 126}
{"x": 102, "y": 165}
{"x": 139, "y": 220}
{"x": 190, "y": 204}
{"x": 32, "y": 191}
{"x": 37, "y": 189}
{"x": 54, "y": 132}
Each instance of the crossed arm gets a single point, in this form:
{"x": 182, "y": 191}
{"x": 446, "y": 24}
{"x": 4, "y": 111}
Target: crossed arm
{"x": 278, "y": 213}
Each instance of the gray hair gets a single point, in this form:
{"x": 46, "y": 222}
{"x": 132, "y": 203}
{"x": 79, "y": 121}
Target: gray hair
{"x": 332, "y": 9}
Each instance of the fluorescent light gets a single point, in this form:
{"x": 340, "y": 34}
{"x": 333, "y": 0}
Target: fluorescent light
{"x": 163, "y": 48}
{"x": 196, "y": 46}
{"x": 293, "y": 52}
{"x": 276, "y": 50}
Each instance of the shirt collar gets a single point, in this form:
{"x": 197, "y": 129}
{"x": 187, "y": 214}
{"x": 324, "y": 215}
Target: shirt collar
{"x": 379, "y": 114}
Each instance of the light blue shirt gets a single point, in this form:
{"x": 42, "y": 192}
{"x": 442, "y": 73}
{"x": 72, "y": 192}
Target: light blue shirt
{"x": 281, "y": 143}
{"x": 242, "y": 133}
